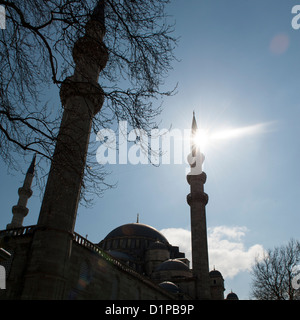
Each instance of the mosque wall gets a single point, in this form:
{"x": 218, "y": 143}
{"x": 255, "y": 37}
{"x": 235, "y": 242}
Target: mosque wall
{"x": 93, "y": 276}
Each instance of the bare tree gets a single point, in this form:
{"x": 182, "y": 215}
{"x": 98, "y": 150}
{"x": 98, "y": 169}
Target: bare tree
{"x": 36, "y": 56}
{"x": 273, "y": 275}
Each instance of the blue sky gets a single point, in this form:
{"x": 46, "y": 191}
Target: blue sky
{"x": 239, "y": 70}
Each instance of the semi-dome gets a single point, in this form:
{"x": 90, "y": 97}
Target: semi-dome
{"x": 138, "y": 230}
{"x": 157, "y": 245}
{"x": 170, "y": 286}
{"x": 171, "y": 269}
{"x": 172, "y": 264}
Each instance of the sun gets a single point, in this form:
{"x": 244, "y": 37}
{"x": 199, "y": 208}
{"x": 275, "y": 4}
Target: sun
{"x": 201, "y": 139}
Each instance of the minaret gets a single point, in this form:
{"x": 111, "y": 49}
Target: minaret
{"x": 82, "y": 97}
{"x": 197, "y": 200}
{"x": 20, "y": 211}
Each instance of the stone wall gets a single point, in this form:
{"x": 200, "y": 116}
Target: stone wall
{"x": 96, "y": 275}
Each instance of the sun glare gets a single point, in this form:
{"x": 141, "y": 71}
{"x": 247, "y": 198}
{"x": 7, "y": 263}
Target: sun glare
{"x": 201, "y": 139}
{"x": 242, "y": 131}
{"x": 204, "y": 138}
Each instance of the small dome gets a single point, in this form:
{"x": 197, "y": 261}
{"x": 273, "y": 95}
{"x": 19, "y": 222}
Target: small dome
{"x": 170, "y": 286}
{"x": 215, "y": 274}
{"x": 157, "y": 245}
{"x": 172, "y": 264}
{"x": 232, "y": 296}
{"x": 137, "y": 230}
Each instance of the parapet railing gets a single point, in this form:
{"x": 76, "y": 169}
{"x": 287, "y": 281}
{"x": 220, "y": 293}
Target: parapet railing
{"x": 77, "y": 238}
{"x": 17, "y": 231}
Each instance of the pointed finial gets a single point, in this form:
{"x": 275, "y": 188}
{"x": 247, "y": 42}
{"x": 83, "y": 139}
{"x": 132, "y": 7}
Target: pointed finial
{"x": 32, "y": 165}
{"x": 98, "y": 13}
{"x": 194, "y": 124}
{"x": 137, "y": 218}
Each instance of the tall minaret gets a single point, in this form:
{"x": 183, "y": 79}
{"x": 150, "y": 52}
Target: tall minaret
{"x": 20, "y": 211}
{"x": 82, "y": 97}
{"x": 197, "y": 200}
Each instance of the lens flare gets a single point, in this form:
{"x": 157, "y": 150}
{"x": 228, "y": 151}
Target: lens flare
{"x": 201, "y": 139}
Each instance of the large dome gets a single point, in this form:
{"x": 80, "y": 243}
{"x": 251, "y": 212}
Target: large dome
{"x": 139, "y": 242}
{"x": 137, "y": 230}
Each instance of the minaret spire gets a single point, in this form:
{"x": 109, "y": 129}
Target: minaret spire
{"x": 20, "y": 211}
{"x": 194, "y": 131}
{"x": 197, "y": 200}
{"x": 195, "y": 158}
{"x": 194, "y": 123}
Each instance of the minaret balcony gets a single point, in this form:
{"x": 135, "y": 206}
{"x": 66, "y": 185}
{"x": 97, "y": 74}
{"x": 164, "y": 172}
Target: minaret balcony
{"x": 20, "y": 210}
{"x": 25, "y": 192}
{"x": 199, "y": 178}
{"x": 197, "y": 197}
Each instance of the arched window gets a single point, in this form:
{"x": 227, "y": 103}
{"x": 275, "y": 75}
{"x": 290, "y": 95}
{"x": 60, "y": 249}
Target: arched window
{"x": 132, "y": 246}
{"x": 123, "y": 243}
{"x": 137, "y": 244}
